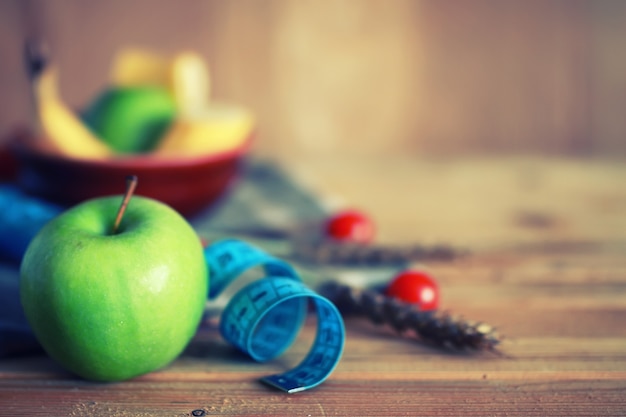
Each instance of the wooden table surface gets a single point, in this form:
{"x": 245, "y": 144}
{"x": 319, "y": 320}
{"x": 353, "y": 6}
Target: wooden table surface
{"x": 547, "y": 267}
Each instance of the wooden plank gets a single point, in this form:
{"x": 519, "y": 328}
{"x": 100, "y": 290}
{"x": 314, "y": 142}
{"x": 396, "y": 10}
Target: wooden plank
{"x": 523, "y": 397}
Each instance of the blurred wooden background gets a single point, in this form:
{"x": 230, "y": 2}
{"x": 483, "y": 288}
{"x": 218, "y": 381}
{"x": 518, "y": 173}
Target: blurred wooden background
{"x": 424, "y": 77}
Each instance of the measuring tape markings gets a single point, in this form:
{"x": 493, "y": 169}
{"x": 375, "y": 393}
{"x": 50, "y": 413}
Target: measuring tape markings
{"x": 229, "y": 258}
{"x": 324, "y": 354}
{"x": 265, "y": 316}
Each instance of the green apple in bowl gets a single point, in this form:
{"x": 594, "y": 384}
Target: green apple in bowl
{"x": 131, "y": 119}
{"x": 111, "y": 303}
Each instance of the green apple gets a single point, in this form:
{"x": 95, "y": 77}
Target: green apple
{"x": 131, "y": 119}
{"x": 111, "y": 305}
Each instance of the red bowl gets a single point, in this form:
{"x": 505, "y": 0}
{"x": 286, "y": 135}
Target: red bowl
{"x": 188, "y": 184}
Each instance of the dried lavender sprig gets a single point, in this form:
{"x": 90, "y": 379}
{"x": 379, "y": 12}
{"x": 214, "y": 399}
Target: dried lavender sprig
{"x": 435, "y": 328}
{"x": 348, "y": 254}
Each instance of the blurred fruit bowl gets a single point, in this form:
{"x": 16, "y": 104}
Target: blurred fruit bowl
{"x": 188, "y": 184}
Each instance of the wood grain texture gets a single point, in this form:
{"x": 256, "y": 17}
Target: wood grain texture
{"x": 556, "y": 290}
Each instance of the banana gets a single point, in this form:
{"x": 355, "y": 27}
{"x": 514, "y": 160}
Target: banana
{"x": 190, "y": 82}
{"x": 59, "y": 125}
{"x": 214, "y": 129}
{"x": 136, "y": 66}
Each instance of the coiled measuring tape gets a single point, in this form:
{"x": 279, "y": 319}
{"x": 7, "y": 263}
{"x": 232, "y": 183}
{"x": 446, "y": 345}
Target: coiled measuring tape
{"x": 264, "y": 317}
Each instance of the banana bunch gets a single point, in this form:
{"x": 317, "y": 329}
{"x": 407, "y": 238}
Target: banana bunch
{"x": 156, "y": 105}
{"x": 201, "y": 126}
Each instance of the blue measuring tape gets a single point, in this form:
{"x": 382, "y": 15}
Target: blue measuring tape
{"x": 263, "y": 318}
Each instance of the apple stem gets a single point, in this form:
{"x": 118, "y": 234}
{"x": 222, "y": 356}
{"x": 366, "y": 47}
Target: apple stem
{"x": 131, "y": 184}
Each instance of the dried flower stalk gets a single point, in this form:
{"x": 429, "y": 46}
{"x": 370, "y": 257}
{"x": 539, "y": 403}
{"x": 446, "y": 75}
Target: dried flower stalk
{"x": 436, "y": 328}
{"x": 347, "y": 254}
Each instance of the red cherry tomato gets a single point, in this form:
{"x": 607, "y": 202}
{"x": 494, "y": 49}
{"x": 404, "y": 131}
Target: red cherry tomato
{"x": 350, "y": 226}
{"x": 415, "y": 287}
